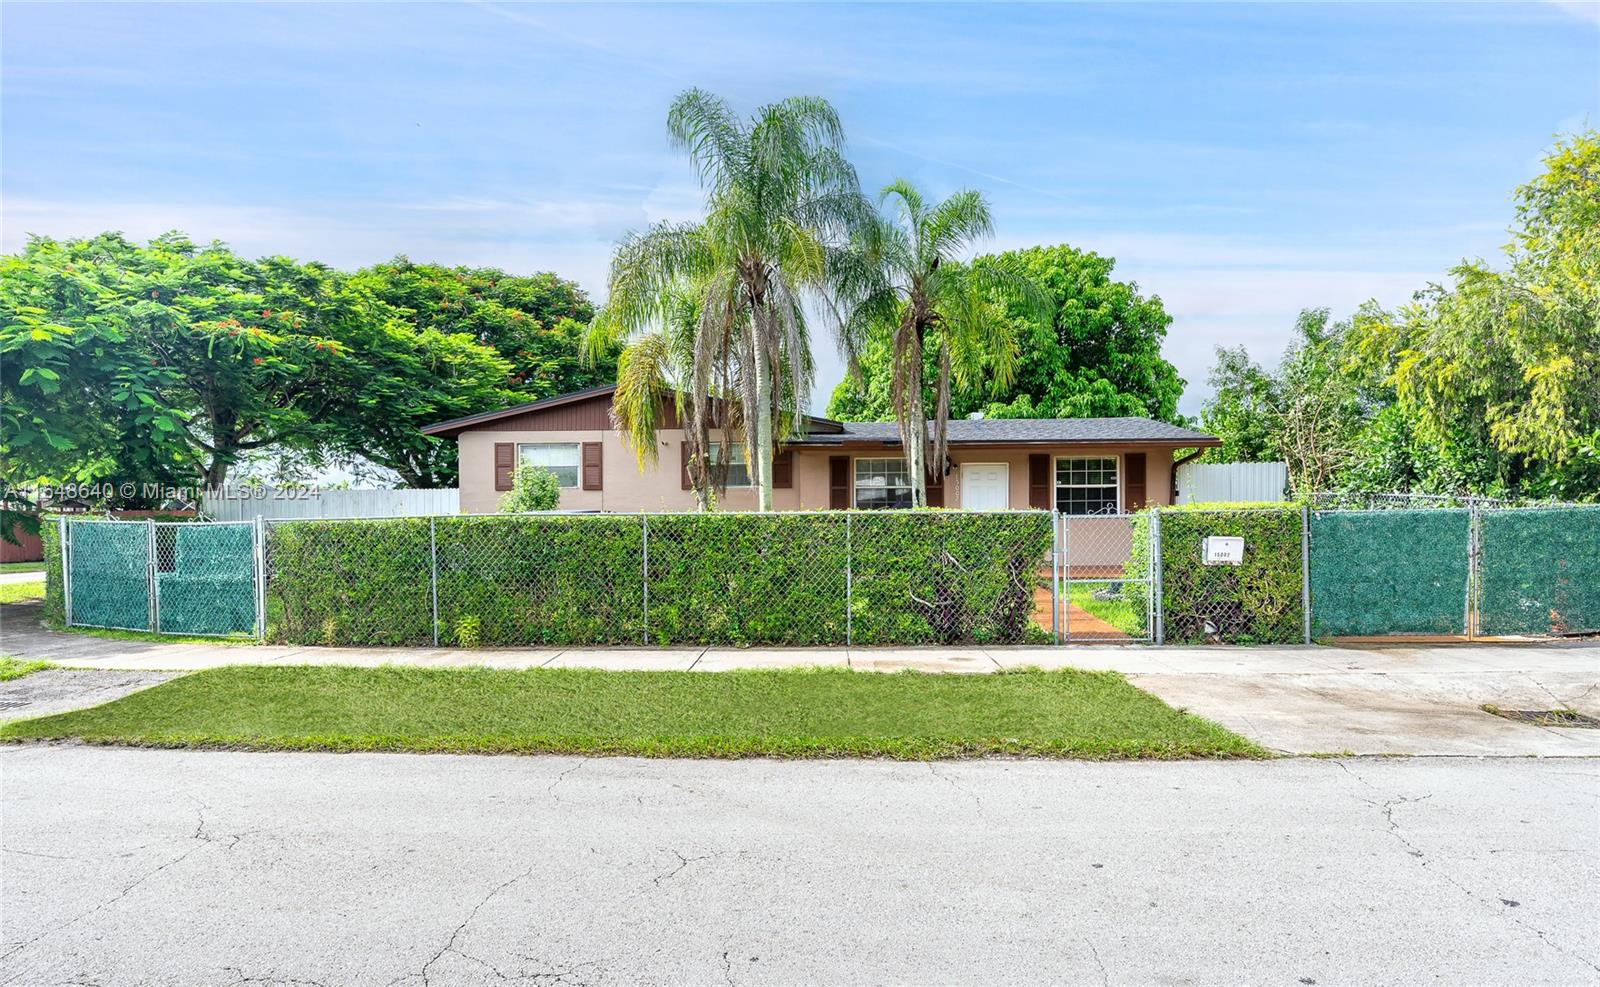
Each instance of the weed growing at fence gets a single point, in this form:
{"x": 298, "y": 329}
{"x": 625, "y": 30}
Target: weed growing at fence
{"x": 790, "y": 713}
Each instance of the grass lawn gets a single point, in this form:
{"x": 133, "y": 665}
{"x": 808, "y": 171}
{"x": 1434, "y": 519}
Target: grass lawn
{"x": 21, "y": 592}
{"x": 22, "y": 567}
{"x": 1118, "y": 612}
{"x": 16, "y": 668}
{"x": 789, "y": 713}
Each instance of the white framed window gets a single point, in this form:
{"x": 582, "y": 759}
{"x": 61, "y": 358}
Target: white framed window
{"x": 1087, "y": 485}
{"x": 564, "y": 459}
{"x": 882, "y": 484}
{"x": 738, "y": 465}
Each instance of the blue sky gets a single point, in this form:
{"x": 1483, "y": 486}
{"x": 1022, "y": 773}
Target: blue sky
{"x": 1240, "y": 161}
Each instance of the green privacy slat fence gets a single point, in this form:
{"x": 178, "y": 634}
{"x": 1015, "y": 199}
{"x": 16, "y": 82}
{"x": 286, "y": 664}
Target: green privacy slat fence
{"x": 1540, "y": 570}
{"x": 205, "y": 578}
{"x": 1389, "y": 572}
{"x": 109, "y": 578}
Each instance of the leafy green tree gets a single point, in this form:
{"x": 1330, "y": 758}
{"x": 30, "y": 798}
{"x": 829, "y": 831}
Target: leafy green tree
{"x": 1242, "y": 410}
{"x": 1098, "y": 354}
{"x": 188, "y": 356}
{"x": 533, "y": 488}
{"x": 537, "y": 322}
{"x": 902, "y": 280}
{"x": 778, "y": 191}
{"x": 1508, "y": 357}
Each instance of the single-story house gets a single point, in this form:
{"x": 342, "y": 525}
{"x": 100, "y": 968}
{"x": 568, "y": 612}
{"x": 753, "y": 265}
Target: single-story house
{"x": 1076, "y": 465}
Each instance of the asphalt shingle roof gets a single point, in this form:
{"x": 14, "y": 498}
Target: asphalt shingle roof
{"x": 966, "y": 430}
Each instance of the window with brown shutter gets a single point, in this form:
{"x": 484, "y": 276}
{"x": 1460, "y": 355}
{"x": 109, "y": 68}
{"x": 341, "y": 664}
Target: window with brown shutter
{"x": 1133, "y": 482}
{"x": 783, "y": 470}
{"x": 838, "y": 482}
{"x": 593, "y": 473}
{"x": 1039, "y": 481}
{"x": 505, "y": 461}
{"x": 935, "y": 489}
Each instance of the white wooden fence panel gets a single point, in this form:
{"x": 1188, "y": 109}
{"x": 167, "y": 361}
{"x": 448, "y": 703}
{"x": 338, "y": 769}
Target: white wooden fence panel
{"x": 245, "y": 504}
{"x": 1204, "y": 483}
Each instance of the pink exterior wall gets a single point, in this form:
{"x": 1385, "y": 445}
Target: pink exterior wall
{"x": 660, "y": 487}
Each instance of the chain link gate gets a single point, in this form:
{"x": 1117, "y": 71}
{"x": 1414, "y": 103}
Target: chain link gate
{"x": 188, "y": 578}
{"x": 1104, "y": 578}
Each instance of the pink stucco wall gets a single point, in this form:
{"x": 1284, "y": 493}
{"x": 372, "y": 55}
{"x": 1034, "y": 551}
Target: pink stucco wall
{"x": 659, "y": 488}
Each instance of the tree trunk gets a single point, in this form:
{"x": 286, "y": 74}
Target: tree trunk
{"x": 916, "y": 449}
{"x": 762, "y": 447}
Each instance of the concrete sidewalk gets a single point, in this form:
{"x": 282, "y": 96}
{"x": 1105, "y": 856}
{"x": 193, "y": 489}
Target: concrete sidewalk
{"x": 1372, "y": 699}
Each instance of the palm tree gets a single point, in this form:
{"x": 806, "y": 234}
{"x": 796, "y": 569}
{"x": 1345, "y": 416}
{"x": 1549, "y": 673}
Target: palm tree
{"x": 902, "y": 276}
{"x": 660, "y": 365}
{"x": 778, "y": 192}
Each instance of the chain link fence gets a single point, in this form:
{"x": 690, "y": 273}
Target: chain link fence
{"x": 1105, "y": 578}
{"x": 841, "y": 577}
{"x": 174, "y": 578}
{"x": 786, "y": 579}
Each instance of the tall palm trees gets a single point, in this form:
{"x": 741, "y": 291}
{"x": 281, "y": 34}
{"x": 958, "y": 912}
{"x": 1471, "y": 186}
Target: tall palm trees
{"x": 902, "y": 276}
{"x": 778, "y": 192}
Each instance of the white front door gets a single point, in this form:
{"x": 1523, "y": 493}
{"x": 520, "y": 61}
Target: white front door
{"x": 985, "y": 486}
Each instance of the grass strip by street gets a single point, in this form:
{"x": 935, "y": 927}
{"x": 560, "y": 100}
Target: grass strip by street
{"x": 22, "y": 567}
{"x": 16, "y": 668}
{"x": 780, "y": 713}
{"x": 24, "y": 592}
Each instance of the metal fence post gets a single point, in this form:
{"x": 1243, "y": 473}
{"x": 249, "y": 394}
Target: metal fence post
{"x": 152, "y": 584}
{"x": 1155, "y": 578}
{"x": 1305, "y": 571}
{"x": 261, "y": 578}
{"x": 849, "y": 582}
{"x": 1474, "y": 564}
{"x": 644, "y": 572}
{"x": 1055, "y": 575}
{"x": 66, "y": 571}
{"x": 433, "y": 574}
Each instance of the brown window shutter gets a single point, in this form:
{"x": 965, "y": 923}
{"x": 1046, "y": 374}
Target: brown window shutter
{"x": 935, "y": 489}
{"x": 593, "y": 468}
{"x": 1133, "y": 484}
{"x": 505, "y": 461}
{"x": 1039, "y": 481}
{"x": 684, "y": 448}
{"x": 783, "y": 470}
{"x": 838, "y": 482}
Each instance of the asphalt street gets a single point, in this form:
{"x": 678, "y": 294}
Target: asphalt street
{"x": 128, "y": 867}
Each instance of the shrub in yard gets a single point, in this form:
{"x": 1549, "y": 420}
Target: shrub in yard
{"x": 1258, "y": 602}
{"x": 533, "y": 488}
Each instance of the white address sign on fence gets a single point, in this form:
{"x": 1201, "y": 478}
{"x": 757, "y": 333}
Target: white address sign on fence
{"x": 1222, "y": 550}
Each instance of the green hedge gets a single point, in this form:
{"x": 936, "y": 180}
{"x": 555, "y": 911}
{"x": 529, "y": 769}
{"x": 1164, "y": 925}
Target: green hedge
{"x": 923, "y": 577}
{"x": 1258, "y": 602}
{"x": 349, "y": 582}
{"x": 529, "y": 580}
{"x": 54, "y": 599}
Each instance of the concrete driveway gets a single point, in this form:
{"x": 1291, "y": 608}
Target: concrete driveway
{"x": 171, "y": 867}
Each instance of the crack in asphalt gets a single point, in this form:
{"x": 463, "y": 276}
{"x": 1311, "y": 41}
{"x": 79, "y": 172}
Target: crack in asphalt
{"x": 240, "y": 979}
{"x": 933, "y": 769}
{"x": 1501, "y": 906}
{"x": 1105, "y": 978}
{"x": 450, "y": 944}
{"x": 551, "y": 790}
{"x": 682, "y": 863}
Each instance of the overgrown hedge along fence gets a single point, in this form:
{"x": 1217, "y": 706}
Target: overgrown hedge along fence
{"x": 744, "y": 579}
